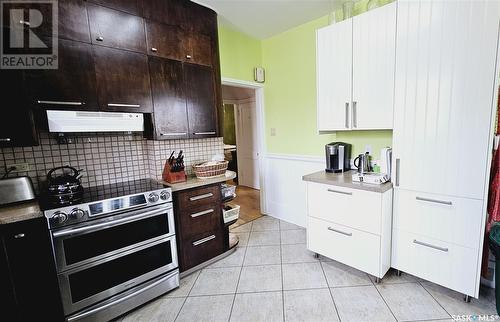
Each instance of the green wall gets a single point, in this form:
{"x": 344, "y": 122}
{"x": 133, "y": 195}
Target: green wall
{"x": 290, "y": 89}
{"x": 239, "y": 54}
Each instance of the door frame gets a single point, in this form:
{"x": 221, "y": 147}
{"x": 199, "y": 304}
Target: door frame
{"x": 259, "y": 106}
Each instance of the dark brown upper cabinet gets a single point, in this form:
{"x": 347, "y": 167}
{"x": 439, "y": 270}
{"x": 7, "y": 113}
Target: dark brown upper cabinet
{"x": 71, "y": 86}
{"x": 131, "y": 6}
{"x": 116, "y": 29}
{"x": 198, "y": 48}
{"x": 200, "y": 100}
{"x": 171, "y": 12}
{"x": 200, "y": 19}
{"x": 17, "y": 126}
{"x": 165, "y": 41}
{"x": 72, "y": 20}
{"x": 122, "y": 80}
{"x": 167, "y": 85}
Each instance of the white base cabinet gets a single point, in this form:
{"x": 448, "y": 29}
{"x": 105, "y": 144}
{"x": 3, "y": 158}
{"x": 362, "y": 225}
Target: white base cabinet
{"x": 350, "y": 226}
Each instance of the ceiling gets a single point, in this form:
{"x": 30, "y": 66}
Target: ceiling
{"x": 265, "y": 18}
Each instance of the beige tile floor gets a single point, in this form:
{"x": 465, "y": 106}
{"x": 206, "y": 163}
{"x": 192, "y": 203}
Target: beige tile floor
{"x": 273, "y": 277}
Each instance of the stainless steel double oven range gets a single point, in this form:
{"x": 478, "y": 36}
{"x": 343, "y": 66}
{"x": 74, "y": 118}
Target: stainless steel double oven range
{"x": 115, "y": 249}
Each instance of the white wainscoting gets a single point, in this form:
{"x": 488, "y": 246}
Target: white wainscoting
{"x": 285, "y": 192}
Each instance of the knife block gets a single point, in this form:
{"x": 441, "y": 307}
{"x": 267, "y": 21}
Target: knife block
{"x": 173, "y": 177}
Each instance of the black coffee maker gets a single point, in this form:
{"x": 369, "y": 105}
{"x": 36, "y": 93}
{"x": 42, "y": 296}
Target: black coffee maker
{"x": 338, "y": 155}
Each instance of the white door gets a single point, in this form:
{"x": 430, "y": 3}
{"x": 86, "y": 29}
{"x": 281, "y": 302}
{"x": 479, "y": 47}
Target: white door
{"x": 247, "y": 142}
{"x": 444, "y": 89}
{"x": 334, "y": 76}
{"x": 374, "y": 51}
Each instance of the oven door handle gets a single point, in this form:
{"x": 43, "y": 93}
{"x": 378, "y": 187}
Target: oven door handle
{"x": 107, "y": 224}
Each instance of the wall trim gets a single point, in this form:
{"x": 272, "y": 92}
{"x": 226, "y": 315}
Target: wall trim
{"x": 241, "y": 83}
{"x": 296, "y": 157}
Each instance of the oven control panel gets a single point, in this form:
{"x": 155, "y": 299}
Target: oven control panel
{"x": 70, "y": 215}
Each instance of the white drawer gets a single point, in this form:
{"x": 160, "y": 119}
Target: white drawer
{"x": 350, "y": 207}
{"x": 450, "y": 219}
{"x": 446, "y": 264}
{"x": 346, "y": 245}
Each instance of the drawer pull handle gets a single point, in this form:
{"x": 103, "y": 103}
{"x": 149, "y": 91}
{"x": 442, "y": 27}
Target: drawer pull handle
{"x": 201, "y": 213}
{"x": 341, "y": 192}
{"x": 5, "y": 140}
{"x": 449, "y": 203}
{"x": 204, "y": 196}
{"x": 60, "y": 103}
{"x": 153, "y": 49}
{"x": 339, "y": 231}
{"x": 398, "y": 161}
{"x": 123, "y": 105}
{"x": 205, "y": 133}
{"x": 203, "y": 240}
{"x": 430, "y": 246}
{"x": 17, "y": 236}
{"x": 346, "y": 115}
{"x": 173, "y": 134}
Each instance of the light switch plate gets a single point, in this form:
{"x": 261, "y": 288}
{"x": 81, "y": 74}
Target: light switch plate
{"x": 259, "y": 75}
{"x": 19, "y": 167}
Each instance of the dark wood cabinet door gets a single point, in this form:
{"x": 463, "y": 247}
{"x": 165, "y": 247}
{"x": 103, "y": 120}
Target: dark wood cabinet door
{"x": 172, "y": 12}
{"x": 169, "y": 101}
{"x": 116, "y": 29}
{"x": 200, "y": 19}
{"x": 72, "y": 85}
{"x": 7, "y": 297}
{"x": 165, "y": 41}
{"x": 200, "y": 98}
{"x": 122, "y": 80}
{"x": 72, "y": 20}
{"x": 199, "y": 49}
{"x": 17, "y": 126}
{"x": 33, "y": 271}
{"x": 201, "y": 248}
{"x": 131, "y": 6}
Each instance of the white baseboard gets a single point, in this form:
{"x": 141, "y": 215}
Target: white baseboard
{"x": 284, "y": 189}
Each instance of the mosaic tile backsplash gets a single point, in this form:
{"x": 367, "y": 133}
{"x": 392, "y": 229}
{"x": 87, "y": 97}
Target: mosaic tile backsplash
{"x": 106, "y": 158}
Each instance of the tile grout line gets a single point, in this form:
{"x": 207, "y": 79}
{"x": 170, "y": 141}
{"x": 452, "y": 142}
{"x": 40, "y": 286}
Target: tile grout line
{"x": 329, "y": 290}
{"x": 237, "y": 284}
{"x": 383, "y": 299}
{"x": 420, "y": 283}
{"x": 185, "y": 299}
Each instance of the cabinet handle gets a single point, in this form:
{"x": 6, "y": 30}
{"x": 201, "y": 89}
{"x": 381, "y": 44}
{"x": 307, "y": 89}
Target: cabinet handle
{"x": 397, "y": 172}
{"x": 18, "y": 236}
{"x": 449, "y": 203}
{"x": 173, "y": 134}
{"x": 123, "y": 105}
{"x": 189, "y": 56}
{"x": 5, "y": 139}
{"x": 443, "y": 249}
{"x": 341, "y": 192}
{"x": 204, "y": 133}
{"x": 339, "y": 231}
{"x": 100, "y": 38}
{"x": 60, "y": 103}
{"x": 23, "y": 22}
{"x": 201, "y": 213}
{"x": 204, "y": 196}
{"x": 153, "y": 49}
{"x": 354, "y": 114}
{"x": 346, "y": 115}
{"x": 203, "y": 240}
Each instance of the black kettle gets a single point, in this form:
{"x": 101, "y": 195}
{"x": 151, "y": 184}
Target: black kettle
{"x": 64, "y": 188}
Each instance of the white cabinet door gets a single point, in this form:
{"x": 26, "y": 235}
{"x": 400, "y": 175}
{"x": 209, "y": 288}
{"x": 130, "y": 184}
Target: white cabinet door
{"x": 334, "y": 76}
{"x": 374, "y": 51}
{"x": 444, "y": 89}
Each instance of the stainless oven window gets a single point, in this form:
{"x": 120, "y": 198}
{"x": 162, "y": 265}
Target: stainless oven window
{"x": 83, "y": 247}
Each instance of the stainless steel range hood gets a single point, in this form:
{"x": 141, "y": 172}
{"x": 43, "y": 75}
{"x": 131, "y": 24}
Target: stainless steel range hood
{"x": 84, "y": 121}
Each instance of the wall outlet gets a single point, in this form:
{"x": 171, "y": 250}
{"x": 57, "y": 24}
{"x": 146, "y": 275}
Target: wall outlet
{"x": 273, "y": 131}
{"x": 19, "y": 167}
{"x": 368, "y": 149}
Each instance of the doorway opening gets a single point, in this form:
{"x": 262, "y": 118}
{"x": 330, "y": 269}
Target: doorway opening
{"x": 242, "y": 133}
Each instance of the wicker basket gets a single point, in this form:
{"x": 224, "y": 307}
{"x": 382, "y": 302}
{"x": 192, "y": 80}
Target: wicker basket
{"x": 207, "y": 170}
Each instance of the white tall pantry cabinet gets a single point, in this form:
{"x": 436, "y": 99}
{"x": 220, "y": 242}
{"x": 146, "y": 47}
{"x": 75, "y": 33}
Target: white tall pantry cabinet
{"x": 445, "y": 84}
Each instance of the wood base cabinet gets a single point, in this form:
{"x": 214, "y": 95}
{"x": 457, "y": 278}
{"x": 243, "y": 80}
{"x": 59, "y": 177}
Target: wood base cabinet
{"x": 200, "y": 228}
{"x": 350, "y": 226}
